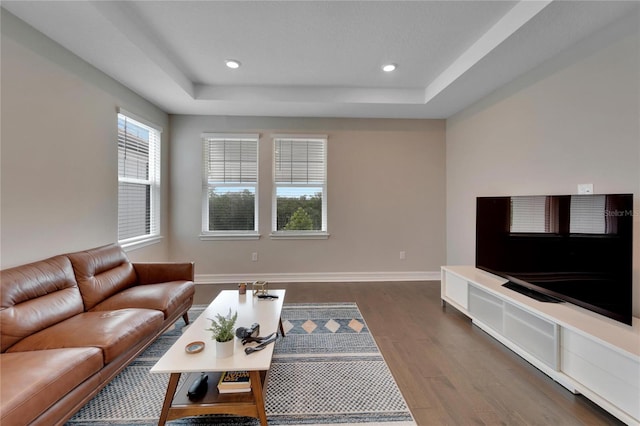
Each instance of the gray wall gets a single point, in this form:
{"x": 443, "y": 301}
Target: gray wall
{"x": 59, "y": 173}
{"x": 385, "y": 195}
{"x": 576, "y": 119}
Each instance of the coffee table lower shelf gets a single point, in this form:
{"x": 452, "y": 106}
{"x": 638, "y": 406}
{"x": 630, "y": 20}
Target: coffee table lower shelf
{"x": 177, "y": 404}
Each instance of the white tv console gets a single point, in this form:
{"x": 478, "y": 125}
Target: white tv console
{"x": 583, "y": 351}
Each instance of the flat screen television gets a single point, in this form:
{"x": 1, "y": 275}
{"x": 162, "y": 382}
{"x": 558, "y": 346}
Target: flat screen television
{"x": 572, "y": 248}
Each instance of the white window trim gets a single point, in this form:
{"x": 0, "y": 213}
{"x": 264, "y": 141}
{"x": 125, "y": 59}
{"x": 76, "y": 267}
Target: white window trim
{"x": 134, "y": 243}
{"x": 299, "y": 235}
{"x": 140, "y": 119}
{"x": 205, "y": 234}
{"x": 138, "y": 243}
{"x": 229, "y": 235}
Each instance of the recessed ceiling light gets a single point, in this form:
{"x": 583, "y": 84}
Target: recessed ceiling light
{"x": 232, "y": 63}
{"x": 389, "y": 67}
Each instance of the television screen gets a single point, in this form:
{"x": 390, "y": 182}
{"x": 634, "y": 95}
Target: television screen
{"x": 574, "y": 248}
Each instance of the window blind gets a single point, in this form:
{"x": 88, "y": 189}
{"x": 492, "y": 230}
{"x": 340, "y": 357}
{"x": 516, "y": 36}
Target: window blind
{"x": 230, "y": 160}
{"x": 300, "y": 161}
{"x": 138, "y": 179}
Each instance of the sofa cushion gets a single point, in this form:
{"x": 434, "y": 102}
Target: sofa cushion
{"x": 162, "y": 272}
{"x": 102, "y": 272}
{"x": 112, "y": 331}
{"x": 36, "y": 296}
{"x": 34, "y": 381}
{"x": 165, "y": 297}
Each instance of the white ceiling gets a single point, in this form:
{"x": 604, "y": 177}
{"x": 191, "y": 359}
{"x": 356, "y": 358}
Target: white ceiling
{"x": 317, "y": 58}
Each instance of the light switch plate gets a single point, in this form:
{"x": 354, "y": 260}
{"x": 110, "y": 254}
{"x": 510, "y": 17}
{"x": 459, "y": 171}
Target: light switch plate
{"x": 585, "y": 188}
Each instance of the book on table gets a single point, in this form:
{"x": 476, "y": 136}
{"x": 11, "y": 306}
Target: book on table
{"x": 234, "y": 381}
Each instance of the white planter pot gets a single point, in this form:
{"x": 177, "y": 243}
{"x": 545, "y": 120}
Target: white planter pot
{"x": 224, "y": 349}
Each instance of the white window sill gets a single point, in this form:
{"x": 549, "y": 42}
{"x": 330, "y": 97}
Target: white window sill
{"x": 137, "y": 243}
{"x": 227, "y": 236}
{"x": 299, "y": 235}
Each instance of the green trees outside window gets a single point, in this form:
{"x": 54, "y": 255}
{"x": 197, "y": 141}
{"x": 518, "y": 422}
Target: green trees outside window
{"x": 234, "y": 210}
{"x": 302, "y": 213}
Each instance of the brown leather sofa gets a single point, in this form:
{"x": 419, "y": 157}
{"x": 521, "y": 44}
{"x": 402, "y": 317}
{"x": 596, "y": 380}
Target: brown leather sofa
{"x": 69, "y": 324}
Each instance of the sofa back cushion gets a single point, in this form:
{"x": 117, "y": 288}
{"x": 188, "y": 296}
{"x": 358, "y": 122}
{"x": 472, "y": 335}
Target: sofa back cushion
{"x": 102, "y": 272}
{"x": 35, "y": 296}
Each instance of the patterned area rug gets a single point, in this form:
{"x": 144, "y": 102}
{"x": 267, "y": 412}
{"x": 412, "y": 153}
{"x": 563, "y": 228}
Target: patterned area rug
{"x": 326, "y": 371}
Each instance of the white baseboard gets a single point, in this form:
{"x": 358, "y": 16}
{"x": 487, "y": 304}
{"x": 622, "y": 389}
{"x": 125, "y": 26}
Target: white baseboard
{"x": 318, "y": 277}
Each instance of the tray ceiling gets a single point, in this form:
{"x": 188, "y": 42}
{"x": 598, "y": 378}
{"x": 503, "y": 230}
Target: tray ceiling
{"x": 317, "y": 58}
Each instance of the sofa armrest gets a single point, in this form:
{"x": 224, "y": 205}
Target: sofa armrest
{"x": 160, "y": 272}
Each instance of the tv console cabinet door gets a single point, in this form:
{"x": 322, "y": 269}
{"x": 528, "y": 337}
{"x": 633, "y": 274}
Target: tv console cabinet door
{"x": 612, "y": 375}
{"x": 456, "y": 289}
{"x": 486, "y": 308}
{"x": 535, "y": 335}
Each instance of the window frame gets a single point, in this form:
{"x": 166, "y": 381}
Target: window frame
{"x": 153, "y": 181}
{"x": 298, "y": 234}
{"x": 206, "y": 234}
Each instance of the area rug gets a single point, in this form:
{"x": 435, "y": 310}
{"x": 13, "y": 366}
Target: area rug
{"x": 326, "y": 371}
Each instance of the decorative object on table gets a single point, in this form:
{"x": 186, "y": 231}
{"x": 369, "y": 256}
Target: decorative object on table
{"x": 250, "y": 335}
{"x": 267, "y": 296}
{"x": 242, "y": 288}
{"x": 260, "y": 287}
{"x": 244, "y": 332}
{"x": 194, "y": 347}
{"x": 261, "y": 346}
{"x": 234, "y": 381}
{"x": 222, "y": 329}
{"x": 257, "y": 339}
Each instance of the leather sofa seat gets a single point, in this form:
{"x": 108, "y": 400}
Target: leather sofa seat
{"x": 164, "y": 297}
{"x": 112, "y": 331}
{"x": 33, "y": 381}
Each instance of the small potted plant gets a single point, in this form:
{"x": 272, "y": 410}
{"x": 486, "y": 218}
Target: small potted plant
{"x": 222, "y": 329}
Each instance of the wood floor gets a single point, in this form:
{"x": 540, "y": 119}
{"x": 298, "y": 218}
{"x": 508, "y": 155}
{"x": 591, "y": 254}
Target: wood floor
{"x": 449, "y": 371}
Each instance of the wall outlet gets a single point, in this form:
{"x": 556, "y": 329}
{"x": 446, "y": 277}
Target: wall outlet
{"x": 585, "y": 188}
{"x": 403, "y": 255}
{"x": 254, "y": 256}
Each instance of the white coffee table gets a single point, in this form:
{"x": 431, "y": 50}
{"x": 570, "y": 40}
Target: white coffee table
{"x": 177, "y": 361}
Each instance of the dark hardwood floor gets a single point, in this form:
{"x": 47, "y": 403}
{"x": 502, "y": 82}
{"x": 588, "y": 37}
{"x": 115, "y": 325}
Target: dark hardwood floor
{"x": 449, "y": 371}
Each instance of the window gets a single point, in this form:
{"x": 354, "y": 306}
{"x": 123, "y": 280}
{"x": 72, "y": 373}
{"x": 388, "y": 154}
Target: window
{"x": 229, "y": 186}
{"x": 138, "y": 180}
{"x": 300, "y": 187}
